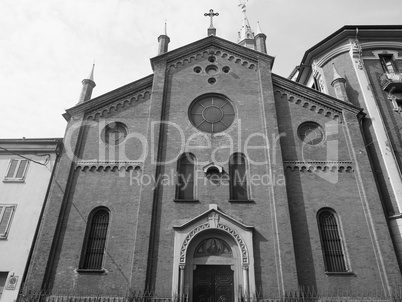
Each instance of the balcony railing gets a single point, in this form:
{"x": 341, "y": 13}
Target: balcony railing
{"x": 391, "y": 82}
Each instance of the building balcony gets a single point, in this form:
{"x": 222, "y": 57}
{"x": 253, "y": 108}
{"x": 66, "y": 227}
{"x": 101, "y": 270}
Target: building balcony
{"x": 391, "y": 82}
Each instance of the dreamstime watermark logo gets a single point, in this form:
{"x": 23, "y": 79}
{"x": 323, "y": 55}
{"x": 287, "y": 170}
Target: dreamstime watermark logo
{"x": 163, "y": 142}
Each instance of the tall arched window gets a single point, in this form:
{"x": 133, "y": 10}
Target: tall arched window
{"x": 238, "y": 177}
{"x": 331, "y": 241}
{"x": 185, "y": 177}
{"x": 95, "y": 239}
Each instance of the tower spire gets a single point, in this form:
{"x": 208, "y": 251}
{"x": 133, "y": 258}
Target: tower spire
{"x": 260, "y": 38}
{"x": 163, "y": 41}
{"x": 88, "y": 85}
{"x": 339, "y": 84}
{"x": 91, "y": 74}
{"x": 246, "y": 35}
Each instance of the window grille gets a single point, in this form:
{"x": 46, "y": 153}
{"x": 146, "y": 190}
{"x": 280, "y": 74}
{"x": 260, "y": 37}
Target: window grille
{"x": 17, "y": 170}
{"x": 331, "y": 241}
{"x": 185, "y": 174}
{"x": 238, "y": 178}
{"x": 96, "y": 239}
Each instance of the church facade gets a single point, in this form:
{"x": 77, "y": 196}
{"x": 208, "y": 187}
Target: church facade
{"x": 213, "y": 179}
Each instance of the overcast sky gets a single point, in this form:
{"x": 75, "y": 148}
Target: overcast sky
{"x": 48, "y": 46}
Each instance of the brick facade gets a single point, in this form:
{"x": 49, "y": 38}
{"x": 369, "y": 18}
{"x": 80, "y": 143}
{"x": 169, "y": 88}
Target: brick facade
{"x": 288, "y": 183}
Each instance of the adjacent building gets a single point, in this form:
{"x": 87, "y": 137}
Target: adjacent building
{"x": 362, "y": 65}
{"x": 26, "y": 167}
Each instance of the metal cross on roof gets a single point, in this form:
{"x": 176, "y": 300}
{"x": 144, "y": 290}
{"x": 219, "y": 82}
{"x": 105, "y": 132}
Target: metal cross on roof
{"x": 211, "y": 14}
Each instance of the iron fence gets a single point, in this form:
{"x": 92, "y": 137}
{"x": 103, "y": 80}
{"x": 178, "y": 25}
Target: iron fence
{"x": 303, "y": 295}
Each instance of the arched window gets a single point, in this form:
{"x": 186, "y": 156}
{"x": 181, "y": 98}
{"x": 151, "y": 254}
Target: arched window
{"x": 95, "y": 239}
{"x": 185, "y": 177}
{"x": 331, "y": 241}
{"x": 238, "y": 177}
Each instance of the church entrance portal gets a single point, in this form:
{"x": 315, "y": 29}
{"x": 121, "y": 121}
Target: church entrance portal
{"x": 213, "y": 283}
{"x": 213, "y": 259}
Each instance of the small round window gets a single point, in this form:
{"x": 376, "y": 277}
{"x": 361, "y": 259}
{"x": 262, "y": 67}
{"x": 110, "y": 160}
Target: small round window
{"x": 310, "y": 133}
{"x": 211, "y": 113}
{"x": 114, "y": 133}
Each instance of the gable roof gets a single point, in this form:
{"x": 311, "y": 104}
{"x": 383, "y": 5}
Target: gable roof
{"x": 314, "y": 95}
{"x": 176, "y": 54}
{"x": 207, "y": 42}
{"x": 110, "y": 97}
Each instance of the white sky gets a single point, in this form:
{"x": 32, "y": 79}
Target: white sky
{"x": 48, "y": 46}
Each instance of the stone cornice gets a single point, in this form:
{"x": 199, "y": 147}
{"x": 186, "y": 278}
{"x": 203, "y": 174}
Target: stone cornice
{"x": 323, "y": 166}
{"x": 179, "y": 54}
{"x": 381, "y": 44}
{"x": 368, "y": 35}
{"x": 347, "y": 46}
{"x": 379, "y": 48}
{"x": 204, "y": 53}
{"x": 29, "y": 145}
{"x": 112, "y": 96}
{"x": 310, "y": 98}
{"x": 108, "y": 165}
{"x": 121, "y": 103}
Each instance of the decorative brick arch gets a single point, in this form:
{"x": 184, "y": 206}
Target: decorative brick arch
{"x": 240, "y": 242}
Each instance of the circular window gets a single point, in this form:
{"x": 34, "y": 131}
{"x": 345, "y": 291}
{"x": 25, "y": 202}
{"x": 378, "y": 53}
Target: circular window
{"x": 197, "y": 69}
{"x": 211, "y": 81}
{"x": 211, "y": 114}
{"x": 226, "y": 69}
{"x": 211, "y": 69}
{"x": 115, "y": 133}
{"x": 311, "y": 133}
{"x": 211, "y": 59}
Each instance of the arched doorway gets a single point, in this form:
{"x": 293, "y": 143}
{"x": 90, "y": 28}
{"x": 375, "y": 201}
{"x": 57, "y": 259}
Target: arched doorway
{"x": 213, "y": 259}
{"x": 213, "y": 268}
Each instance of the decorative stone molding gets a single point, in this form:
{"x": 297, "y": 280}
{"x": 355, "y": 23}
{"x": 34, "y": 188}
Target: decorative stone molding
{"x": 108, "y": 165}
{"x": 332, "y": 54}
{"x": 246, "y": 62}
{"x": 357, "y": 53}
{"x": 316, "y": 166}
{"x": 186, "y": 242}
{"x": 213, "y": 223}
{"x": 117, "y": 105}
{"x": 310, "y": 104}
{"x": 240, "y": 241}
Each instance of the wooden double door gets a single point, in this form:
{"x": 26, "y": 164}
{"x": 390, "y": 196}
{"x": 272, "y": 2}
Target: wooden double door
{"x": 213, "y": 283}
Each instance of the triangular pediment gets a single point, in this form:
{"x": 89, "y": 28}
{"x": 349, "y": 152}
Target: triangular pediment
{"x": 211, "y": 221}
{"x": 203, "y": 48}
{"x": 213, "y": 217}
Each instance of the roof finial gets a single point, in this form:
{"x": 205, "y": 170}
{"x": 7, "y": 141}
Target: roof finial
{"x": 91, "y": 74}
{"x": 339, "y": 84}
{"x": 88, "y": 85}
{"x": 246, "y": 35}
{"x": 163, "y": 41}
{"x": 211, "y": 29}
{"x": 260, "y": 39}
{"x": 336, "y": 74}
{"x": 259, "y": 31}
